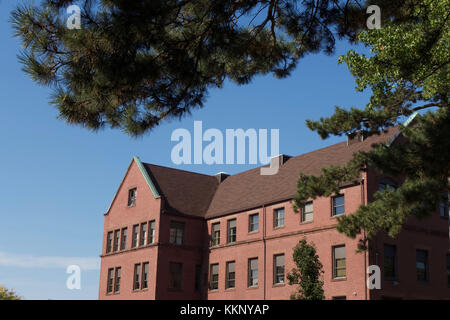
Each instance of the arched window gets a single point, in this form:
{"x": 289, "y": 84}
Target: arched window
{"x": 386, "y": 183}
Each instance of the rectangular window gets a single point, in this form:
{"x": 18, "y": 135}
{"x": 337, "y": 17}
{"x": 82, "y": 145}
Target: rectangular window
{"x": 117, "y": 279}
{"x": 422, "y": 265}
{"x": 340, "y": 298}
{"x": 253, "y": 222}
{"x": 137, "y": 276}
{"x": 278, "y": 218}
{"x": 338, "y": 205}
{"x": 307, "y": 212}
{"x": 278, "y": 269}
{"x": 390, "y": 262}
{"x": 151, "y": 231}
{"x": 198, "y": 277}
{"x": 109, "y": 240}
{"x": 144, "y": 275}
{"x": 175, "y": 274}
{"x": 143, "y": 236}
{"x": 230, "y": 275}
{"x": 339, "y": 269}
{"x": 231, "y": 233}
{"x": 253, "y": 272}
{"x": 214, "y": 277}
{"x": 448, "y": 270}
{"x": 134, "y": 240}
{"x": 177, "y": 232}
{"x": 132, "y": 197}
{"x": 116, "y": 240}
{"x": 123, "y": 241}
{"x": 215, "y": 234}
{"x": 444, "y": 206}
{"x": 109, "y": 284}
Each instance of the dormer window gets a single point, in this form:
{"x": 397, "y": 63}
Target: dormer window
{"x": 132, "y": 197}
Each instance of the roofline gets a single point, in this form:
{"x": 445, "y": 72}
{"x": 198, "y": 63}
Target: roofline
{"x": 147, "y": 177}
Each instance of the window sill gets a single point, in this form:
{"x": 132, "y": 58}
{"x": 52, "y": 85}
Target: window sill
{"x": 253, "y": 287}
{"x": 230, "y": 289}
{"x": 280, "y": 227}
{"x": 276, "y": 285}
{"x": 253, "y": 232}
{"x": 306, "y": 222}
{"x": 339, "y": 279}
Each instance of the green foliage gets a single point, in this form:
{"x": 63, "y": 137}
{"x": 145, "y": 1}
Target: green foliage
{"x": 136, "y": 63}
{"x": 307, "y": 274}
{"x": 6, "y": 294}
{"x": 406, "y": 72}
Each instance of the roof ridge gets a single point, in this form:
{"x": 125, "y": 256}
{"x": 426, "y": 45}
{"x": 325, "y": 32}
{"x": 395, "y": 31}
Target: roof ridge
{"x": 176, "y": 169}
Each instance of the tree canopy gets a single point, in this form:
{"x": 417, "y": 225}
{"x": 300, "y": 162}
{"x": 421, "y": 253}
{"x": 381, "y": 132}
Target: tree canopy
{"x": 136, "y": 63}
{"x": 7, "y": 294}
{"x": 307, "y": 274}
{"x": 406, "y": 72}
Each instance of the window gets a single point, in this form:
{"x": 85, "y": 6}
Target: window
{"x": 214, "y": 277}
{"x": 307, "y": 212}
{"x": 123, "y": 241}
{"x": 116, "y": 240}
{"x": 444, "y": 206}
{"x": 278, "y": 269}
{"x": 339, "y": 270}
{"x": 390, "y": 262}
{"x": 448, "y": 270}
{"x": 253, "y": 222}
{"x": 137, "y": 276}
{"x": 340, "y": 298}
{"x": 253, "y": 272}
{"x": 143, "y": 236}
{"x": 117, "y": 279}
{"x": 175, "y": 274}
{"x": 387, "y": 184}
{"x": 134, "y": 241}
{"x": 338, "y": 205}
{"x": 144, "y": 275}
{"x": 230, "y": 275}
{"x": 231, "y": 231}
{"x": 177, "y": 232}
{"x": 132, "y": 197}
{"x": 109, "y": 284}
{"x": 109, "y": 239}
{"x": 422, "y": 265}
{"x": 151, "y": 231}
{"x": 278, "y": 218}
{"x": 215, "y": 234}
{"x": 198, "y": 277}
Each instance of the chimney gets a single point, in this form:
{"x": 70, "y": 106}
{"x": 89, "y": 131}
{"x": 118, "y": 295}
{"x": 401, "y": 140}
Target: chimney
{"x": 221, "y": 176}
{"x": 279, "y": 159}
{"x": 357, "y": 137}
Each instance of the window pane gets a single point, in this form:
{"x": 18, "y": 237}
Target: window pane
{"x": 279, "y": 217}
{"x": 279, "y": 268}
{"x": 137, "y": 276}
{"x": 135, "y": 236}
{"x": 116, "y": 240}
{"x": 151, "y": 235}
{"x": 390, "y": 262}
{"x": 177, "y": 232}
{"x": 422, "y": 265}
{"x": 215, "y": 234}
{"x": 253, "y": 272}
{"x": 175, "y": 274}
{"x": 338, "y": 205}
{"x": 117, "y": 280}
{"x": 109, "y": 242}
{"x": 132, "y": 197}
{"x": 123, "y": 241}
{"x": 145, "y": 275}
{"x": 214, "y": 277}
{"x": 143, "y": 237}
{"x": 339, "y": 263}
{"x": 109, "y": 285}
{"x": 230, "y": 274}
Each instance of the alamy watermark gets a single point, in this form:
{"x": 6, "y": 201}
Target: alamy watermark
{"x": 222, "y": 151}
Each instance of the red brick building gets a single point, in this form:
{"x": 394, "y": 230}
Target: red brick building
{"x": 173, "y": 234}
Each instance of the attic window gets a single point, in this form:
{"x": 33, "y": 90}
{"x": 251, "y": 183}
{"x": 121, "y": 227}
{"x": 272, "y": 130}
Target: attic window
{"x": 132, "y": 197}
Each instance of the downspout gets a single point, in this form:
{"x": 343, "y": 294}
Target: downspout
{"x": 264, "y": 245}
{"x": 363, "y": 202}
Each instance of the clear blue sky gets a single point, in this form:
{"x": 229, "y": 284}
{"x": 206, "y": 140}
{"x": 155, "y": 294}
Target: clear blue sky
{"x": 58, "y": 180}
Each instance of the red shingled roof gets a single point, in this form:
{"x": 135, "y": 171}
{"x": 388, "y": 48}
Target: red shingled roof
{"x": 200, "y": 195}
